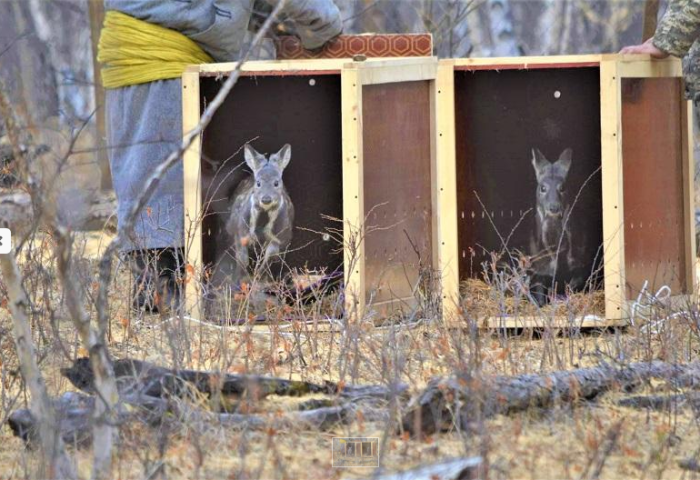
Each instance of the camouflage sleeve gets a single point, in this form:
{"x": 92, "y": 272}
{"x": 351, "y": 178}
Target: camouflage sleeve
{"x": 679, "y": 27}
{"x": 315, "y": 21}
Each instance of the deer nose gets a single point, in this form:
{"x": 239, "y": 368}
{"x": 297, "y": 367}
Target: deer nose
{"x": 266, "y": 200}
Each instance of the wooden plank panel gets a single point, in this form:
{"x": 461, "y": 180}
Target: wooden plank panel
{"x": 654, "y": 215}
{"x": 397, "y": 188}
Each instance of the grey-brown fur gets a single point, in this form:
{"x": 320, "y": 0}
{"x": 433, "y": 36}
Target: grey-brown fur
{"x": 262, "y": 215}
{"x": 551, "y": 242}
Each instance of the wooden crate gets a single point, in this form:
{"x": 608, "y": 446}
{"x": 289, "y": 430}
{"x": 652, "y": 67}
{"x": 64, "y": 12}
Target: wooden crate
{"x": 630, "y": 130}
{"x": 363, "y": 151}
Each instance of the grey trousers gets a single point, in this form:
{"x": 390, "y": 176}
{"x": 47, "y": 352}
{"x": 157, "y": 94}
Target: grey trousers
{"x": 144, "y": 127}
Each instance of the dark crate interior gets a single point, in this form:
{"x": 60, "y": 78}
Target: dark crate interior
{"x": 269, "y": 111}
{"x": 500, "y": 117}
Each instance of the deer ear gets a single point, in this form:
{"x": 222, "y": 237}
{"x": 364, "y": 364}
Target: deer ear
{"x": 539, "y": 162}
{"x": 282, "y": 157}
{"x": 565, "y": 160}
{"x": 253, "y": 159}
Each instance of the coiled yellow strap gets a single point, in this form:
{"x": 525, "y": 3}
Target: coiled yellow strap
{"x": 132, "y": 52}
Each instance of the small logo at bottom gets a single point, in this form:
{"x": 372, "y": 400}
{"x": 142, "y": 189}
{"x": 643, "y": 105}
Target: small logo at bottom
{"x": 355, "y": 451}
{"x": 5, "y": 241}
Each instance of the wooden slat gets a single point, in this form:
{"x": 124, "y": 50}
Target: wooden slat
{"x": 374, "y": 73}
{"x": 588, "y": 321}
{"x": 445, "y": 196}
{"x": 353, "y": 198}
{"x": 97, "y": 12}
{"x": 539, "y": 61}
{"x": 613, "y": 212}
{"x": 688, "y": 148}
{"x": 192, "y": 194}
{"x": 637, "y": 66}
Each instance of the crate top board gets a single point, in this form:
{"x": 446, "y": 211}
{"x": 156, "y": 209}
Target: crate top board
{"x": 372, "y": 70}
{"x": 629, "y": 65}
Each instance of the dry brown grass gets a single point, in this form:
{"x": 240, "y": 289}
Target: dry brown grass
{"x": 560, "y": 443}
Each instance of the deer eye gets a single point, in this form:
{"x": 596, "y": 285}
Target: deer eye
{"x": 258, "y": 184}
{"x": 543, "y": 189}
{"x": 277, "y": 184}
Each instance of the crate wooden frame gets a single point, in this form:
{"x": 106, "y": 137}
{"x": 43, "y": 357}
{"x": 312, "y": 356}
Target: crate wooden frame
{"x": 354, "y": 76}
{"x": 614, "y": 69}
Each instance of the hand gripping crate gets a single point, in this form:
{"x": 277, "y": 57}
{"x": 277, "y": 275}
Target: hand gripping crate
{"x": 363, "y": 151}
{"x": 631, "y": 176}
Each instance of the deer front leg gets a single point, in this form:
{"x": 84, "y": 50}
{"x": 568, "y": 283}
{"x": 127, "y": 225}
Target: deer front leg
{"x": 273, "y": 214}
{"x": 271, "y": 250}
{"x": 242, "y": 259}
{"x": 254, "y": 214}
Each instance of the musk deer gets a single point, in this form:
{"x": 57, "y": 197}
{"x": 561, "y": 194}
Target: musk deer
{"x": 262, "y": 213}
{"x": 553, "y": 256}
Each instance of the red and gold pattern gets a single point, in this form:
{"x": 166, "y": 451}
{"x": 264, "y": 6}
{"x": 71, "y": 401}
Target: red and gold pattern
{"x": 369, "y": 45}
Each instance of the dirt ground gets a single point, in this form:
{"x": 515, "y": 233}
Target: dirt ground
{"x": 561, "y": 443}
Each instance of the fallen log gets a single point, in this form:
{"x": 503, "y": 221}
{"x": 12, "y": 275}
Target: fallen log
{"x": 661, "y": 402}
{"x": 136, "y": 376}
{"x": 457, "y": 401}
{"x": 75, "y": 414}
{"x": 690, "y": 464}
{"x": 17, "y": 212}
{"x": 152, "y": 380}
{"x": 455, "y": 469}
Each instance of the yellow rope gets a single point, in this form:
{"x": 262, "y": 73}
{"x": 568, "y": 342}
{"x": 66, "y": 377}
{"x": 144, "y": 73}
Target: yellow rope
{"x": 132, "y": 51}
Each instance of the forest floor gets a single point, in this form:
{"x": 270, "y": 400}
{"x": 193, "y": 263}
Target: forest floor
{"x": 559, "y": 443}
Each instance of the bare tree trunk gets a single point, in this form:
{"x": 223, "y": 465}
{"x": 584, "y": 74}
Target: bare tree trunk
{"x": 478, "y": 23}
{"x": 551, "y": 26}
{"x": 104, "y": 430}
{"x": 454, "y": 469}
{"x": 26, "y": 70}
{"x": 55, "y": 463}
{"x": 651, "y": 13}
{"x": 502, "y": 31}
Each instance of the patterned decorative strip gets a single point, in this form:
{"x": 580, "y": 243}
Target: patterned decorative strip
{"x": 369, "y": 45}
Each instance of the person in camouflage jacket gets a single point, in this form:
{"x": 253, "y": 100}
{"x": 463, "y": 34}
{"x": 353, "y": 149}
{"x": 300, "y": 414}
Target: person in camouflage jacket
{"x": 677, "y": 34}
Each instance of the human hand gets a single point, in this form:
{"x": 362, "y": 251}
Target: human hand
{"x": 646, "y": 48}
